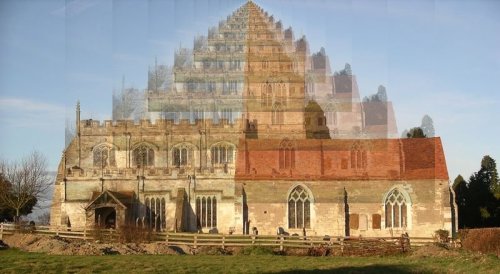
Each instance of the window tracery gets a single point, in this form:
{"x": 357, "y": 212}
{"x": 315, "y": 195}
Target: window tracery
{"x": 267, "y": 95}
{"x": 396, "y": 210}
{"x": 104, "y": 156}
{"x": 222, "y": 154}
{"x": 277, "y": 115}
{"x": 143, "y": 156}
{"x": 359, "y": 157}
{"x": 182, "y": 155}
{"x": 299, "y": 208}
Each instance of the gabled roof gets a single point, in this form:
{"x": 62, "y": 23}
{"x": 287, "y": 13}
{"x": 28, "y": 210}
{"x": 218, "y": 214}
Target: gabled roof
{"x": 120, "y": 198}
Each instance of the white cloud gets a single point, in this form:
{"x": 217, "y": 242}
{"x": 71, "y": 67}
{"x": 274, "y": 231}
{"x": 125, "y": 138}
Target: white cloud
{"x": 21, "y": 112}
{"x": 20, "y": 104}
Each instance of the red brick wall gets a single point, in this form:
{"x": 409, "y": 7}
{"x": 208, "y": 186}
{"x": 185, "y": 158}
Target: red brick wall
{"x": 392, "y": 159}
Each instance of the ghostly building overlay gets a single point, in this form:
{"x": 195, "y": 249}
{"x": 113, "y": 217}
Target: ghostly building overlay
{"x": 247, "y": 130}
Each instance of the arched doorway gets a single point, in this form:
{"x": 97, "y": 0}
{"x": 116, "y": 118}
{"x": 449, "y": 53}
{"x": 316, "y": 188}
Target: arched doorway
{"x": 105, "y": 217}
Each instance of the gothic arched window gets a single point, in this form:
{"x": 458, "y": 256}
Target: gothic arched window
{"x": 277, "y": 116}
{"x": 266, "y": 95}
{"x": 396, "y": 210}
{"x": 299, "y": 208}
{"x": 359, "y": 157}
{"x": 143, "y": 156}
{"x": 287, "y": 155}
{"x": 280, "y": 93}
{"x": 104, "y": 156}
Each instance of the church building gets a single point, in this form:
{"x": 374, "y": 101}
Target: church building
{"x": 253, "y": 132}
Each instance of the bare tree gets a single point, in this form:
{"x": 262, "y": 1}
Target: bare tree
{"x": 26, "y": 181}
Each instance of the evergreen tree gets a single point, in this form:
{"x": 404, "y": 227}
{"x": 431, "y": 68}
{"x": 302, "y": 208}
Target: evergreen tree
{"x": 382, "y": 94}
{"x": 346, "y": 71}
{"x": 428, "y": 126}
{"x": 483, "y": 206}
{"x": 461, "y": 191}
{"x": 416, "y": 132}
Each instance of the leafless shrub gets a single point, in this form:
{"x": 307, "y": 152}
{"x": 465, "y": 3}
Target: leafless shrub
{"x": 485, "y": 240}
{"x": 133, "y": 234}
{"x": 442, "y": 236}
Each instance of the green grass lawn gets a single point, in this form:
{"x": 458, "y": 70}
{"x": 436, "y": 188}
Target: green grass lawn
{"x": 14, "y": 261}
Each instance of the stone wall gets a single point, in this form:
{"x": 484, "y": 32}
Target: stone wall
{"x": 427, "y": 209}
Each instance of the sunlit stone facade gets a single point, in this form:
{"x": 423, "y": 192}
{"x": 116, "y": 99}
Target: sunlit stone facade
{"x": 254, "y": 133}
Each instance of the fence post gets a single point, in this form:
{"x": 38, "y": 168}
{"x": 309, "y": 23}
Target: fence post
{"x": 1, "y": 231}
{"x": 57, "y": 230}
{"x": 253, "y": 239}
{"x": 223, "y": 241}
{"x": 281, "y": 243}
{"x": 195, "y": 241}
{"x": 85, "y": 233}
{"x": 341, "y": 245}
{"x": 166, "y": 238}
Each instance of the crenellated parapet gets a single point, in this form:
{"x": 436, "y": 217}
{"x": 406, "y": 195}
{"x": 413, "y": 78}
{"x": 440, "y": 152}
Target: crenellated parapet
{"x": 92, "y": 127}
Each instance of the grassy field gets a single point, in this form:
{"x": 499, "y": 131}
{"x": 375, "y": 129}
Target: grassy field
{"x": 14, "y": 261}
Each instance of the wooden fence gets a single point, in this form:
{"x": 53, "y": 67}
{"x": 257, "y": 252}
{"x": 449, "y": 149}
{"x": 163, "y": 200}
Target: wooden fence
{"x": 196, "y": 240}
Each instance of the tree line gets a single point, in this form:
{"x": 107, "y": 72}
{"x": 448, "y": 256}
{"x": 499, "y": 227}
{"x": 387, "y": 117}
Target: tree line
{"x": 478, "y": 200}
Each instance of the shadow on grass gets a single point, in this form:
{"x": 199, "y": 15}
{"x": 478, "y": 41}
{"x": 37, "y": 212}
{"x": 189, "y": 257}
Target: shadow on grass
{"x": 358, "y": 269}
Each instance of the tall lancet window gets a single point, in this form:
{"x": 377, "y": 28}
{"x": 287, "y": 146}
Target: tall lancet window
{"x": 281, "y": 94}
{"x": 266, "y": 95}
{"x": 286, "y": 155}
{"x": 359, "y": 157}
{"x": 277, "y": 116}
{"x": 299, "y": 208}
{"x": 206, "y": 211}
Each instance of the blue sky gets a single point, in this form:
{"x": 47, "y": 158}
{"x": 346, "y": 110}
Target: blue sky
{"x": 440, "y": 58}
